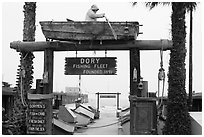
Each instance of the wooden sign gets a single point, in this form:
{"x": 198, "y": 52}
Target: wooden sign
{"x": 37, "y": 117}
{"x": 90, "y": 66}
{"x": 107, "y": 96}
{"x": 32, "y": 113}
{"x": 36, "y": 129}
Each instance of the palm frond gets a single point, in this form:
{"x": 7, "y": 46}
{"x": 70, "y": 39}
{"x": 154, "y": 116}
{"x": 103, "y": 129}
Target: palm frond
{"x": 189, "y": 5}
{"x": 151, "y": 5}
{"x": 134, "y": 3}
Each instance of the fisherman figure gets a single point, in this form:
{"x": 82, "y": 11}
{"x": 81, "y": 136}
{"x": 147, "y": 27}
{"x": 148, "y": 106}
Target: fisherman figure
{"x": 91, "y": 14}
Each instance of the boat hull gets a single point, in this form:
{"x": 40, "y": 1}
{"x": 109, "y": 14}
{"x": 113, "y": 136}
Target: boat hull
{"x": 84, "y": 30}
{"x": 67, "y": 127}
{"x": 82, "y": 120}
{"x": 85, "y": 110}
{"x": 66, "y": 115}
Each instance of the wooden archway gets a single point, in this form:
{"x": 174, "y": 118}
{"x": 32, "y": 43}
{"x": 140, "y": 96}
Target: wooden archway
{"x": 48, "y": 47}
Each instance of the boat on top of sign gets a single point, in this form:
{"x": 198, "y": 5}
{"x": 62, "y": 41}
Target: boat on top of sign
{"x": 85, "y": 30}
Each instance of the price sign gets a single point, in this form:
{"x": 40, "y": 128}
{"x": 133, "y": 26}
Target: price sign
{"x": 37, "y": 117}
{"x": 36, "y": 129}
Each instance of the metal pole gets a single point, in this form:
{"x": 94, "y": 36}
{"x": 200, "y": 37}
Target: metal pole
{"x": 190, "y": 59}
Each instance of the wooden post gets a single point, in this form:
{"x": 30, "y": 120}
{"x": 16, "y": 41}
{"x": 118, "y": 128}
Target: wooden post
{"x": 134, "y": 64}
{"x": 118, "y": 101}
{"x": 134, "y": 80}
{"x": 97, "y": 101}
{"x": 48, "y": 87}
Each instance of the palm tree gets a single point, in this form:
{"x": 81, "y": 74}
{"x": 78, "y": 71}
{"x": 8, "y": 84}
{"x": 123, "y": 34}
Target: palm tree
{"x": 25, "y": 71}
{"x": 178, "y": 119}
{"x": 177, "y": 109}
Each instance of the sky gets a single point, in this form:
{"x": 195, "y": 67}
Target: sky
{"x": 156, "y": 25}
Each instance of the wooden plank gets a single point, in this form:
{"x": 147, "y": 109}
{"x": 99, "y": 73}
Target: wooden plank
{"x": 88, "y": 45}
{"x": 107, "y": 96}
{"x": 39, "y": 96}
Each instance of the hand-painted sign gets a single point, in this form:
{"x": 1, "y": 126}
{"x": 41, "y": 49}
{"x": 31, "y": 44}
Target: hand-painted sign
{"x": 36, "y": 105}
{"x": 36, "y": 121}
{"x": 36, "y": 129}
{"x": 32, "y": 113}
{"x": 37, "y": 117}
{"x": 90, "y": 66}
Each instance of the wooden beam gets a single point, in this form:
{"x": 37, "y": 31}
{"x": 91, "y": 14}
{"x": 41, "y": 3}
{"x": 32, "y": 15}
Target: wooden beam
{"x": 94, "y": 45}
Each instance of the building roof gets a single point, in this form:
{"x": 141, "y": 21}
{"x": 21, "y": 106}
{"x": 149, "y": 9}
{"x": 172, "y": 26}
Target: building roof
{"x": 8, "y": 91}
{"x": 197, "y": 95}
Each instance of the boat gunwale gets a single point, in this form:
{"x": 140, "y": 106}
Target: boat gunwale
{"x": 76, "y": 32}
{"x": 88, "y": 22}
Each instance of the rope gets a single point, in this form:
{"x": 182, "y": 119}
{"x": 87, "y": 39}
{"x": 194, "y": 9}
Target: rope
{"x": 22, "y": 99}
{"x": 161, "y": 56}
{"x": 161, "y": 77}
{"x": 25, "y": 55}
{"x": 22, "y": 73}
{"x": 105, "y": 125}
{"x": 162, "y": 95}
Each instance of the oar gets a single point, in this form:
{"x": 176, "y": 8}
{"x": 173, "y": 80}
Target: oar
{"x": 114, "y": 34}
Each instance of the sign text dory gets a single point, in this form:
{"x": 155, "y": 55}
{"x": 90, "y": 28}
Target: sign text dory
{"x": 90, "y": 66}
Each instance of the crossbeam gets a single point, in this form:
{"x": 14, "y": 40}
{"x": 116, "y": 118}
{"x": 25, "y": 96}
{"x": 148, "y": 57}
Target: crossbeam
{"x": 107, "y": 93}
{"x": 91, "y": 45}
{"x": 108, "y": 96}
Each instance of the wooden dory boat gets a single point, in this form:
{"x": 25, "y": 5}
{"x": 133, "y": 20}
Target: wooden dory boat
{"x": 84, "y": 110}
{"x": 66, "y": 115}
{"x": 85, "y": 30}
{"x": 67, "y": 127}
{"x": 82, "y": 120}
